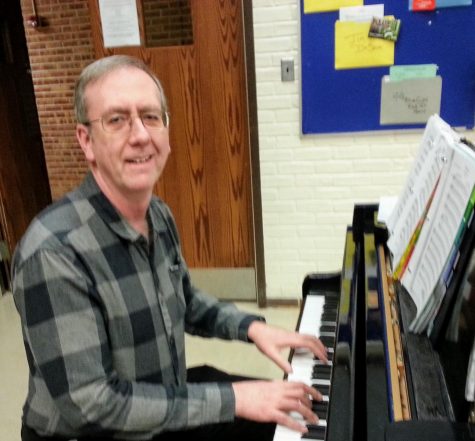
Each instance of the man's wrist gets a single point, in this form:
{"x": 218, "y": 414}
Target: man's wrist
{"x": 254, "y": 329}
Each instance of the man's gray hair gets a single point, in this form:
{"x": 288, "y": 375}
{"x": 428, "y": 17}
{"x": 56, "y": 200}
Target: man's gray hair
{"x": 101, "y": 67}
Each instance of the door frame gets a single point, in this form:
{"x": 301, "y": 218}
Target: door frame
{"x": 254, "y": 153}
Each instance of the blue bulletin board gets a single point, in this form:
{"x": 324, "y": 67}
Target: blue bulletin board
{"x": 342, "y": 101}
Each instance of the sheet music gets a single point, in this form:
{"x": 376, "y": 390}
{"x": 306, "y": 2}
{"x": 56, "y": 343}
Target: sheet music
{"x": 386, "y": 207}
{"x": 418, "y": 195}
{"x": 440, "y": 226}
{"x": 435, "y": 126}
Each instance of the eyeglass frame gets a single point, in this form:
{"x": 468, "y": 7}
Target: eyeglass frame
{"x": 165, "y": 117}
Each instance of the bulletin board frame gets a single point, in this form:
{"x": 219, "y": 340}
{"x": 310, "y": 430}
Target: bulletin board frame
{"x": 345, "y": 101}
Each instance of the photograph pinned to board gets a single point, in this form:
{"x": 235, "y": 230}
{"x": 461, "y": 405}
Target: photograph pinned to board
{"x": 410, "y": 101}
{"x": 386, "y": 28}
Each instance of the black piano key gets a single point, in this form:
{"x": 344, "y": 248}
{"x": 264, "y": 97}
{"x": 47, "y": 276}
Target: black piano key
{"x": 324, "y": 389}
{"x": 322, "y": 368}
{"x": 328, "y": 317}
{"x": 322, "y": 372}
{"x": 330, "y": 307}
{"x": 328, "y": 328}
{"x": 329, "y": 342}
{"x": 329, "y": 356}
{"x": 315, "y": 432}
{"x": 331, "y": 303}
{"x": 320, "y": 408}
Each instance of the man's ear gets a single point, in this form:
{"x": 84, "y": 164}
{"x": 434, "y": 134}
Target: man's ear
{"x": 84, "y": 138}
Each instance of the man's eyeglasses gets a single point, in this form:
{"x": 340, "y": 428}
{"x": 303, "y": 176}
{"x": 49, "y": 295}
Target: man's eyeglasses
{"x": 119, "y": 122}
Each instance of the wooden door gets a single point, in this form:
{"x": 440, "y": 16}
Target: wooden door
{"x": 24, "y": 186}
{"x": 207, "y": 182}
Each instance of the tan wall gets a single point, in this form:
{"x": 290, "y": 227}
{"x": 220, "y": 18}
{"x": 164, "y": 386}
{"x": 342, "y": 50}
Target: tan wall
{"x": 58, "y": 52}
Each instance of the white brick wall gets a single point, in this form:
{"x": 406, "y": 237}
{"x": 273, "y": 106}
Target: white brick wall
{"x": 310, "y": 183}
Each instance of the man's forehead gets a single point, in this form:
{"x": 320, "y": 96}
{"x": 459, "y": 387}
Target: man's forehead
{"x": 123, "y": 75}
{"x": 116, "y": 85}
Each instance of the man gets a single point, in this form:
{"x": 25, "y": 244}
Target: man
{"x": 105, "y": 296}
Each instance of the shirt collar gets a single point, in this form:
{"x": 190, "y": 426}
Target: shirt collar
{"x": 109, "y": 214}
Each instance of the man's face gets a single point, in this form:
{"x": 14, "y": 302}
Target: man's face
{"x": 127, "y": 163}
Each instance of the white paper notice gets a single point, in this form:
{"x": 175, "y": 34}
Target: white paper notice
{"x": 361, "y": 13}
{"x": 120, "y": 24}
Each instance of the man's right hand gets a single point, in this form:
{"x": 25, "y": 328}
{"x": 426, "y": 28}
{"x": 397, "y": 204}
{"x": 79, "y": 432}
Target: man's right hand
{"x": 272, "y": 401}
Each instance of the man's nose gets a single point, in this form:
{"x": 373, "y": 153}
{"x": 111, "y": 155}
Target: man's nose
{"x": 137, "y": 127}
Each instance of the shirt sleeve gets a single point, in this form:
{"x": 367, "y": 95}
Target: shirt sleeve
{"x": 205, "y": 315}
{"x": 65, "y": 333}
{"x": 208, "y": 317}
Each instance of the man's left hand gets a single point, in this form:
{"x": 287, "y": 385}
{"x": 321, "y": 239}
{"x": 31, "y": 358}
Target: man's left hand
{"x": 271, "y": 341}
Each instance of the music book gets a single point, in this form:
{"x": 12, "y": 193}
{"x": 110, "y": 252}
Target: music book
{"x": 428, "y": 225}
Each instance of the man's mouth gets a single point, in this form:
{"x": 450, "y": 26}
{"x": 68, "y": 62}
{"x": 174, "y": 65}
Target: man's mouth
{"x": 140, "y": 160}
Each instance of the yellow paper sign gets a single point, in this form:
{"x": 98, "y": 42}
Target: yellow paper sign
{"x": 310, "y": 6}
{"x": 354, "y": 49}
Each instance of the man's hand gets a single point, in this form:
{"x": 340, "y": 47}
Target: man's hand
{"x": 271, "y": 341}
{"x": 272, "y": 401}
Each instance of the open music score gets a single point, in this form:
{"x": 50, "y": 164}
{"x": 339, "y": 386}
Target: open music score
{"x": 427, "y": 225}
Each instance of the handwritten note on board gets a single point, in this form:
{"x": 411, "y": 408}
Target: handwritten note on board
{"x": 410, "y": 101}
{"x": 354, "y": 49}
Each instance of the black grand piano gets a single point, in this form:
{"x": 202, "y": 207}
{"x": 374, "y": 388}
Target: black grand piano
{"x": 384, "y": 382}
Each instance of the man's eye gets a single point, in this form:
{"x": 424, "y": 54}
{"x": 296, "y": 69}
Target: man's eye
{"x": 115, "y": 120}
{"x": 152, "y": 118}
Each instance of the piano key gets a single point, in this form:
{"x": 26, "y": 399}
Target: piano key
{"x": 316, "y": 432}
{"x": 329, "y": 317}
{"x": 320, "y": 407}
{"x": 328, "y": 341}
{"x": 323, "y": 389}
{"x": 321, "y": 382}
{"x": 318, "y": 318}
{"x": 322, "y": 375}
{"x": 317, "y": 362}
{"x": 328, "y": 328}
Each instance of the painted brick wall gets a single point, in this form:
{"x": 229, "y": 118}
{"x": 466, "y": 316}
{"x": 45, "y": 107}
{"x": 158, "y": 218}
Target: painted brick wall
{"x": 57, "y": 53}
{"x": 310, "y": 183}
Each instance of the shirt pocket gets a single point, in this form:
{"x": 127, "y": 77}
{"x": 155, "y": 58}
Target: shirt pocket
{"x": 176, "y": 272}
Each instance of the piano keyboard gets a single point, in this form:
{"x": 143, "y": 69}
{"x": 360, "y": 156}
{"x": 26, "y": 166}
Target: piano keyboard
{"x": 318, "y": 318}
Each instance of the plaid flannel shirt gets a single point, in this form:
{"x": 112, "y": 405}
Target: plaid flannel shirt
{"x": 103, "y": 313}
